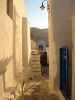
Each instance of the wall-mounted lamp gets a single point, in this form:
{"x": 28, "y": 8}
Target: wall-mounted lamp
{"x": 42, "y": 6}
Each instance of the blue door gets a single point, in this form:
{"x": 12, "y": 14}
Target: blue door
{"x": 64, "y": 57}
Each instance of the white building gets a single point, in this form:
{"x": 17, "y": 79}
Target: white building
{"x": 12, "y": 29}
{"x": 41, "y": 44}
{"x": 61, "y": 30}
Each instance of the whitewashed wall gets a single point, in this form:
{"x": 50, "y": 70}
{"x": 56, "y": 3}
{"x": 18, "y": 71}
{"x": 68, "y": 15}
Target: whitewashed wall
{"x": 10, "y": 41}
{"x": 60, "y": 34}
{"x": 41, "y": 42}
{"x": 26, "y": 47}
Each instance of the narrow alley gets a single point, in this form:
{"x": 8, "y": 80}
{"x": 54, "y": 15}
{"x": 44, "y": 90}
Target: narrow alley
{"x": 37, "y": 50}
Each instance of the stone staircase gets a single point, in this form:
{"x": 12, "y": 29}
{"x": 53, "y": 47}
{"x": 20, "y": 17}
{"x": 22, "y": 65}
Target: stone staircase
{"x": 35, "y": 63}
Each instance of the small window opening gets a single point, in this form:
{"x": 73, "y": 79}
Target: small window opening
{"x": 41, "y": 47}
{"x": 10, "y": 8}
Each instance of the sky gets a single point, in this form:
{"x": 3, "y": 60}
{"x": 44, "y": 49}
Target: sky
{"x": 36, "y": 17}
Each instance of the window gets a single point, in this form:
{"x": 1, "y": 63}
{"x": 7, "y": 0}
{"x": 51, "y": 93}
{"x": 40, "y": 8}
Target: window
{"x": 10, "y": 8}
{"x": 41, "y": 47}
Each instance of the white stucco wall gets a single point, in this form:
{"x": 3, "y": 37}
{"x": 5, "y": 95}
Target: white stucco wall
{"x": 10, "y": 41}
{"x": 19, "y": 12}
{"x": 6, "y": 44}
{"x": 26, "y": 47}
{"x": 60, "y": 34}
{"x": 73, "y": 58}
{"x": 41, "y": 42}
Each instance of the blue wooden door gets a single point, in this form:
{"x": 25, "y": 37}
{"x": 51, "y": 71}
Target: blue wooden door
{"x": 64, "y": 57}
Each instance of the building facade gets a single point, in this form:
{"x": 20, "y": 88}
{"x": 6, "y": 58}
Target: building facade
{"x": 60, "y": 34}
{"x": 11, "y": 16}
{"x": 41, "y": 44}
{"x": 26, "y": 41}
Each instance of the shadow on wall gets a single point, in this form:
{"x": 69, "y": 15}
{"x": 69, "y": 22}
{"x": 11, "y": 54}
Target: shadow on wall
{"x": 15, "y": 27}
{"x": 3, "y": 67}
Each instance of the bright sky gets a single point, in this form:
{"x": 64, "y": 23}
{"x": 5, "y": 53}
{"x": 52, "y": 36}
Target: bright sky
{"x": 36, "y": 17}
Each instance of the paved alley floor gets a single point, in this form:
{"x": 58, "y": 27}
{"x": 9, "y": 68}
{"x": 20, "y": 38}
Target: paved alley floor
{"x": 38, "y": 89}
